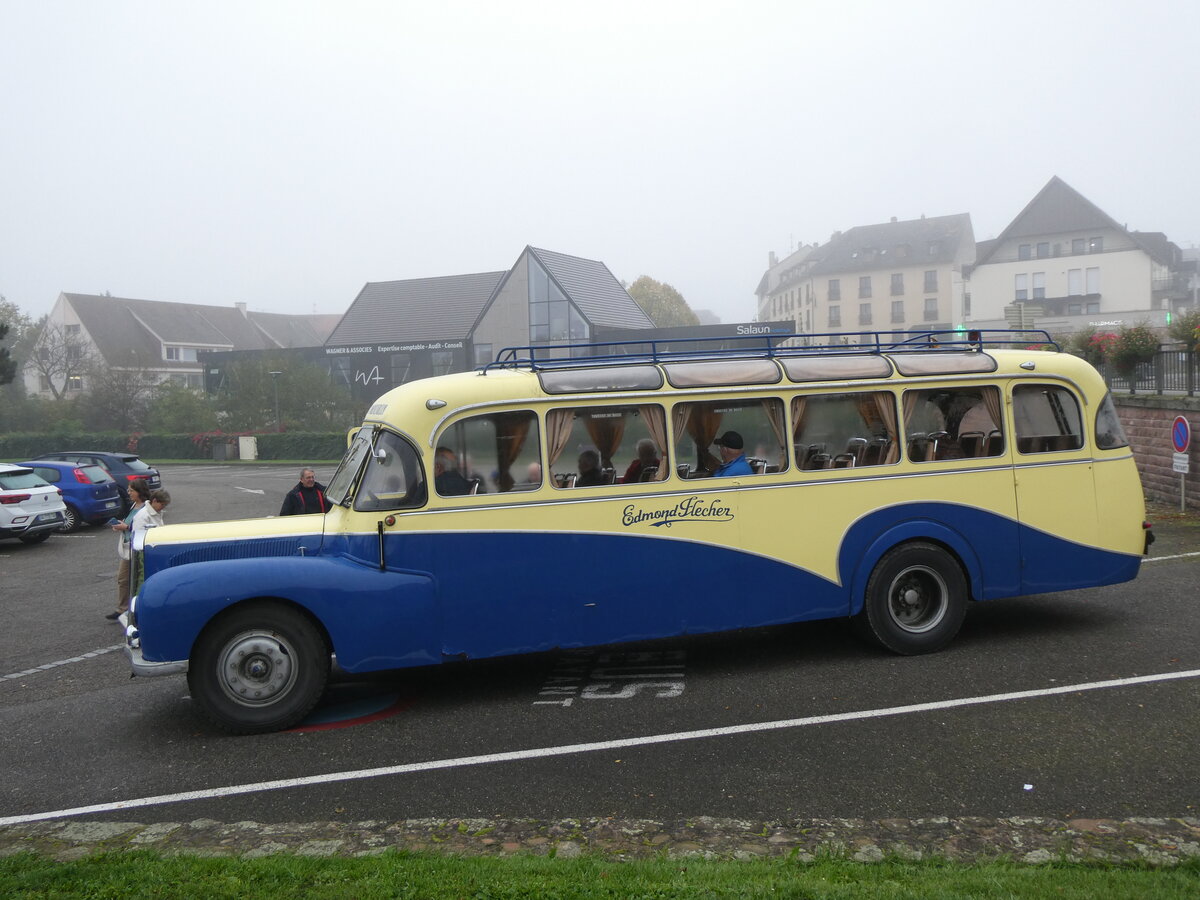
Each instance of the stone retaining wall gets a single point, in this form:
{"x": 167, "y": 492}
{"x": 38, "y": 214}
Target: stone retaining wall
{"x": 1147, "y": 421}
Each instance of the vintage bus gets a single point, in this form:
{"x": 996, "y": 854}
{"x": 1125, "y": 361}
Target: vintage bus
{"x": 558, "y": 501}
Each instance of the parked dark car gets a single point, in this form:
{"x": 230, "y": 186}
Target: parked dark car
{"x": 123, "y": 467}
{"x": 89, "y": 491}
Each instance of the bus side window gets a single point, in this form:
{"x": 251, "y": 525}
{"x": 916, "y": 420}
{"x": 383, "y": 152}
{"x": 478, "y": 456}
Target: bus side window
{"x": 836, "y": 431}
{"x": 760, "y": 423}
{"x": 597, "y": 446}
{"x": 493, "y": 453}
{"x": 1047, "y": 418}
{"x": 953, "y": 423}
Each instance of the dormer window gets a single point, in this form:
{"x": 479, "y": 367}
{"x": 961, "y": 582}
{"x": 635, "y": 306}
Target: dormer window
{"x": 181, "y": 354}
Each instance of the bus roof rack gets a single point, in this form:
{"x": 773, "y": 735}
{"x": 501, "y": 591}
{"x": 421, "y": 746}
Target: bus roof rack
{"x": 766, "y": 346}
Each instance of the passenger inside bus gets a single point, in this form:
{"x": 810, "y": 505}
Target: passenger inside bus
{"x": 589, "y": 470}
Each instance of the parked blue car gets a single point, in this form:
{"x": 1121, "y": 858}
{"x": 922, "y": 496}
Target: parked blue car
{"x": 90, "y": 493}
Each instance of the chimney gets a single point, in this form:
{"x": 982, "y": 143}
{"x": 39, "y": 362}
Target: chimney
{"x": 241, "y": 307}
{"x": 893, "y": 219}
{"x": 772, "y": 260}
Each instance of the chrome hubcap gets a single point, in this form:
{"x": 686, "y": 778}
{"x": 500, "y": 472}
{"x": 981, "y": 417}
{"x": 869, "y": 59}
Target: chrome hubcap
{"x": 918, "y": 599}
{"x": 256, "y": 668}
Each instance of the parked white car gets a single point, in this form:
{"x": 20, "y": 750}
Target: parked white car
{"x": 30, "y": 509}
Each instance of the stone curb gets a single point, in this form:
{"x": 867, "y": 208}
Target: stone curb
{"x": 1152, "y": 841}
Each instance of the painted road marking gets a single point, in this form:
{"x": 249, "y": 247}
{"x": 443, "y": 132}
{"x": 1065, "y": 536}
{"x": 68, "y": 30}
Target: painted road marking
{"x": 587, "y": 675}
{"x": 568, "y": 749}
{"x": 63, "y": 662}
{"x": 1176, "y": 556}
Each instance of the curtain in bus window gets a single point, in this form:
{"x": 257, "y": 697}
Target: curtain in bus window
{"x": 606, "y": 433}
{"x": 511, "y": 431}
{"x": 703, "y": 426}
{"x": 558, "y": 432}
{"x": 885, "y": 405}
{"x": 653, "y": 417}
{"x": 774, "y": 411}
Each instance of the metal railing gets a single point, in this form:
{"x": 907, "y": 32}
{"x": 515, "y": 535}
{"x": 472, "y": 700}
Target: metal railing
{"x": 1170, "y": 372}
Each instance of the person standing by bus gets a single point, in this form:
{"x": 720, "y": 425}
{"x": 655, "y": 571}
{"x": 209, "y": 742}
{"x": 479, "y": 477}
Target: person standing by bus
{"x": 733, "y": 460}
{"x": 308, "y": 496}
{"x": 139, "y": 492}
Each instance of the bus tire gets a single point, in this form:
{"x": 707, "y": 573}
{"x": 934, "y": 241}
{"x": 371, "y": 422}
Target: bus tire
{"x": 915, "y": 600}
{"x": 261, "y": 667}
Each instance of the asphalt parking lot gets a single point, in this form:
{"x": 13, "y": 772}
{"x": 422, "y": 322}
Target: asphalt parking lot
{"x": 1073, "y": 705}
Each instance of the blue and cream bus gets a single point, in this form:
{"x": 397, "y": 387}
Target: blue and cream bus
{"x": 563, "y": 501}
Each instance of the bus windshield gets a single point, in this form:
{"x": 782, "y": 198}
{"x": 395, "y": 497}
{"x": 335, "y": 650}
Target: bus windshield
{"x": 343, "y": 479}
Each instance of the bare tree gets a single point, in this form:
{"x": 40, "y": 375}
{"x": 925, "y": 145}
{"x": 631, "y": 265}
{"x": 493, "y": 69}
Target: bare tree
{"x": 61, "y": 355}
{"x": 118, "y": 399}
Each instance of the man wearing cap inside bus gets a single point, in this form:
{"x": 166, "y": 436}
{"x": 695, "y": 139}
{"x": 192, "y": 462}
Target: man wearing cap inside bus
{"x": 729, "y": 445}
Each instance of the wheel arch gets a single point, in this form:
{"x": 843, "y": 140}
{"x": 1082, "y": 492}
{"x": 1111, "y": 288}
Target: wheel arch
{"x": 264, "y": 599}
{"x": 914, "y": 531}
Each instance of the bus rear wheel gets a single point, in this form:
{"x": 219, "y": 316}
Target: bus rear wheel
{"x": 915, "y": 601}
{"x": 259, "y": 668}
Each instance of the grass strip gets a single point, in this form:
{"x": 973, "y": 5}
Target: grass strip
{"x": 392, "y": 874}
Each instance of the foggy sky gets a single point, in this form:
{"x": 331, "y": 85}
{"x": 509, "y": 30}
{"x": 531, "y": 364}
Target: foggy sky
{"x": 285, "y": 153}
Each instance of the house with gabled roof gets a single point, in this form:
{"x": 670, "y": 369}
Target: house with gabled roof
{"x": 397, "y": 331}
{"x": 1064, "y": 264}
{"x": 162, "y": 340}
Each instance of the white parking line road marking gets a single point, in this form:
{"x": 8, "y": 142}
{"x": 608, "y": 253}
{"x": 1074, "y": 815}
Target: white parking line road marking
{"x": 565, "y": 750}
{"x": 1176, "y": 556}
{"x": 62, "y": 662}
{"x": 248, "y": 490}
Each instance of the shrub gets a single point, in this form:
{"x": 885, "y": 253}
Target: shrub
{"x": 1134, "y": 345}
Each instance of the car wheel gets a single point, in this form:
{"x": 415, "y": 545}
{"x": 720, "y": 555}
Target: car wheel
{"x": 35, "y": 538}
{"x": 260, "y": 667}
{"x": 71, "y": 520}
{"x": 915, "y": 601}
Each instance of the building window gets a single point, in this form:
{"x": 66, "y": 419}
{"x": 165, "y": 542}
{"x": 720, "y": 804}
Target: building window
{"x": 898, "y": 284}
{"x": 966, "y": 304}
{"x": 74, "y": 382}
{"x": 1093, "y": 280}
{"x": 1074, "y": 282}
{"x": 1074, "y": 309}
{"x": 935, "y": 247}
{"x": 1043, "y": 249}
{"x": 1092, "y": 308}
{"x": 443, "y": 361}
{"x": 401, "y": 367}
{"x": 72, "y": 330}
{"x": 864, "y": 286}
{"x": 43, "y": 383}
{"x": 483, "y": 354}
{"x": 1021, "y": 286}
{"x": 835, "y": 289}
{"x": 1039, "y": 285}
{"x": 1024, "y": 251}
{"x": 552, "y": 317}
{"x": 1096, "y": 245}
{"x": 835, "y": 319}
{"x": 864, "y": 314}
{"x": 182, "y": 354}
{"x": 931, "y": 281}
{"x": 897, "y": 311}
{"x": 1078, "y": 245}
{"x": 931, "y": 309}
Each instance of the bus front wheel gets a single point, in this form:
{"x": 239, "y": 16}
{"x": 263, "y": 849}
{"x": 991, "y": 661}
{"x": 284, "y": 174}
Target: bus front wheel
{"x": 915, "y": 601}
{"x": 260, "y": 667}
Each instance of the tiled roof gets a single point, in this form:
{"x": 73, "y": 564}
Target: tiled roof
{"x": 126, "y": 329}
{"x": 594, "y": 289}
{"x": 914, "y": 242}
{"x": 415, "y": 309}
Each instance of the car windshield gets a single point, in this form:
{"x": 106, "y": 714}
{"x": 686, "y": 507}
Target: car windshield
{"x": 20, "y": 480}
{"x": 343, "y": 479}
{"x": 95, "y": 474}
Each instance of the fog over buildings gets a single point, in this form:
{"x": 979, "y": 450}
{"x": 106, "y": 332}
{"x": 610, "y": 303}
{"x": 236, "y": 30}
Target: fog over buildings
{"x": 282, "y": 154}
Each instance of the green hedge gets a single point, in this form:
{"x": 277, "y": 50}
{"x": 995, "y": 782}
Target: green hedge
{"x": 288, "y": 445}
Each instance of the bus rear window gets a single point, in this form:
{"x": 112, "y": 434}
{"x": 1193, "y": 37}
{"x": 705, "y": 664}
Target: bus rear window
{"x": 1109, "y": 433}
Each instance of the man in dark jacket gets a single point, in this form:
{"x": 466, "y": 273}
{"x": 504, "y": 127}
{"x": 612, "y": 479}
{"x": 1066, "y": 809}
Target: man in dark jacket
{"x": 306, "y": 497}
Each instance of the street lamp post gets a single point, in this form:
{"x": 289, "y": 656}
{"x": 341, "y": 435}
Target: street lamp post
{"x": 275, "y": 383}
